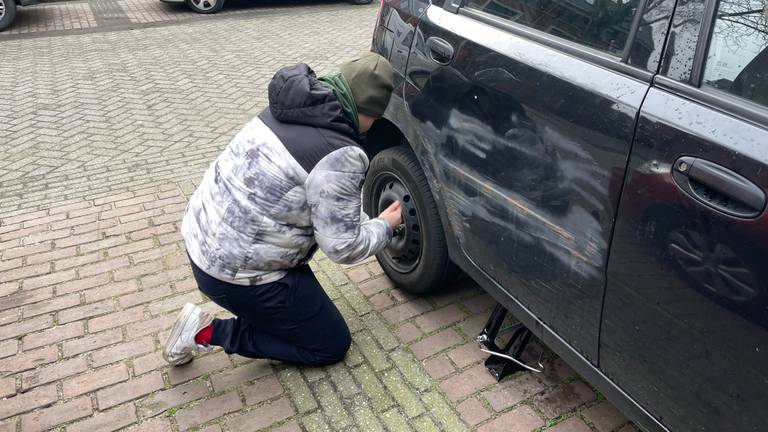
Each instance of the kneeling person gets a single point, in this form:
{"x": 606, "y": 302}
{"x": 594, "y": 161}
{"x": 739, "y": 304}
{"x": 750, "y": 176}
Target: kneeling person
{"x": 288, "y": 183}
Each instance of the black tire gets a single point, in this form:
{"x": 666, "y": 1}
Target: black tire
{"x": 361, "y": 2}
{"x": 8, "y": 11}
{"x": 430, "y": 268}
{"x": 205, "y": 6}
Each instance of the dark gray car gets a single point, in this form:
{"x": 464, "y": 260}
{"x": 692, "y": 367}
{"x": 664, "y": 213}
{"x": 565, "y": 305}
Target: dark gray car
{"x": 600, "y": 167}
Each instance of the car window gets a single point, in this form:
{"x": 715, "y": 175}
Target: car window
{"x": 599, "y": 24}
{"x": 737, "y": 61}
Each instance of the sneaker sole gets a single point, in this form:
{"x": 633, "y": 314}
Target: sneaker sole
{"x": 184, "y": 316}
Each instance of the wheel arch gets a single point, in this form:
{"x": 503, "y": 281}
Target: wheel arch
{"x": 384, "y": 134}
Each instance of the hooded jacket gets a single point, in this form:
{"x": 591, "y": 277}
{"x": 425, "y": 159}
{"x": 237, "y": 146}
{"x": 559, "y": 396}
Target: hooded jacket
{"x": 289, "y": 182}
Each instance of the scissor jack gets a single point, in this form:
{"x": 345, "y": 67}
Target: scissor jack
{"x": 505, "y": 361}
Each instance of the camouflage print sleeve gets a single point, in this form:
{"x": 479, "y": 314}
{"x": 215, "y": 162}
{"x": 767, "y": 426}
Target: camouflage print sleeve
{"x": 341, "y": 230}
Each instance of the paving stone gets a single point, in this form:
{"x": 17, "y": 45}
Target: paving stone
{"x": 467, "y": 382}
{"x": 29, "y": 359}
{"x": 376, "y": 285}
{"x": 133, "y": 389}
{"x": 313, "y": 374}
{"x": 86, "y": 311}
{"x": 406, "y": 399}
{"x": 395, "y": 421}
{"x": 200, "y": 365}
{"x": 92, "y": 342}
{"x": 262, "y": 416}
{"x": 291, "y": 426}
{"x": 46, "y": 418}
{"x": 53, "y": 372}
{"x": 331, "y": 405}
{"x": 408, "y": 333}
{"x": 604, "y": 417}
{"x": 406, "y": 311}
{"x": 522, "y": 419}
{"x": 25, "y": 327}
{"x": 479, "y": 304}
{"x": 343, "y": 380}
{"x": 371, "y": 351}
{"x": 471, "y": 327}
{"x": 8, "y": 426}
{"x": 435, "y": 343}
{"x": 116, "y": 319}
{"x": 315, "y": 422}
{"x": 358, "y": 274}
{"x": 26, "y": 297}
{"x": 513, "y": 391}
{"x": 443, "y": 412}
{"x": 208, "y": 410}
{"x": 365, "y": 417}
{"x": 262, "y": 389}
{"x": 358, "y": 301}
{"x": 298, "y": 390}
{"x": 7, "y": 387}
{"x": 107, "y": 421}
{"x": 466, "y": 355}
{"x": 240, "y": 375}
{"x": 23, "y": 402}
{"x": 161, "y": 401}
{"x": 557, "y": 372}
{"x": 149, "y": 362}
{"x": 381, "y": 332}
{"x": 440, "y": 318}
{"x": 52, "y": 305}
{"x": 354, "y": 357}
{"x": 425, "y": 424}
{"x": 564, "y": 398}
{"x": 373, "y": 388}
{"x": 381, "y": 301}
{"x": 350, "y": 316}
{"x": 411, "y": 369}
{"x": 573, "y": 424}
{"x": 473, "y": 411}
{"x": 94, "y": 380}
{"x": 157, "y": 424}
{"x": 122, "y": 351}
{"x": 439, "y": 367}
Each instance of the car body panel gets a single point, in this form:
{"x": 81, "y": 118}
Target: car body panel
{"x": 526, "y": 178}
{"x": 695, "y": 353}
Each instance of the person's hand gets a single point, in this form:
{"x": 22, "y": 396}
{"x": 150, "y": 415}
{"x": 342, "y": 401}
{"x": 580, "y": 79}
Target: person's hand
{"x": 393, "y": 215}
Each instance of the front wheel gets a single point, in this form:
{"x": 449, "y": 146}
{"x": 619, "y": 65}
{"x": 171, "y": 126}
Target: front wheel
{"x": 417, "y": 259}
{"x": 7, "y": 13}
{"x": 206, "y": 6}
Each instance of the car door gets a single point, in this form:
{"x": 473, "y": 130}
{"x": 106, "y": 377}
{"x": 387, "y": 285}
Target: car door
{"x": 685, "y": 324}
{"x": 526, "y": 112}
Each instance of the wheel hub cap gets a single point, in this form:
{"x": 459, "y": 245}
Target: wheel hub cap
{"x": 404, "y": 251}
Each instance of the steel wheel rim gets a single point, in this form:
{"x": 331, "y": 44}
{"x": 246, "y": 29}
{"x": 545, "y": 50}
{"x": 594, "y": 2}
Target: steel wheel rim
{"x": 404, "y": 251}
{"x": 202, "y": 4}
{"x": 714, "y": 266}
{"x": 2, "y": 9}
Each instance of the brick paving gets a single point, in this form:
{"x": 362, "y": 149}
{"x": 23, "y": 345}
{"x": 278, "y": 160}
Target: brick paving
{"x": 106, "y": 137}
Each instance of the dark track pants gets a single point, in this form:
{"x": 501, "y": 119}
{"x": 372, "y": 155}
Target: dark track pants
{"x": 291, "y": 320}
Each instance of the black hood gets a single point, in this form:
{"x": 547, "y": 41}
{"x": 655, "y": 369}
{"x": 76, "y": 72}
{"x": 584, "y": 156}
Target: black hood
{"x": 296, "y": 96}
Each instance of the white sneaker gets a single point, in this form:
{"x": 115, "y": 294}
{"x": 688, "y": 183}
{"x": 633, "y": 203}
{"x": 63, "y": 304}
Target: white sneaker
{"x": 180, "y": 346}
